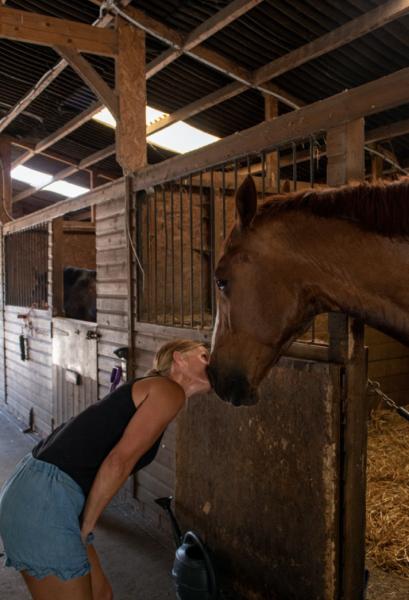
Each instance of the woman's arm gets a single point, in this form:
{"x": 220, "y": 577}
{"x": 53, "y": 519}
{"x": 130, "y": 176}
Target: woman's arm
{"x": 163, "y": 402}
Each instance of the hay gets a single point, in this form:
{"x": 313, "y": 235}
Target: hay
{"x": 387, "y": 512}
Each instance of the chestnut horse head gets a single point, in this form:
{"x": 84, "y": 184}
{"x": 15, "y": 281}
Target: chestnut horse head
{"x": 298, "y": 256}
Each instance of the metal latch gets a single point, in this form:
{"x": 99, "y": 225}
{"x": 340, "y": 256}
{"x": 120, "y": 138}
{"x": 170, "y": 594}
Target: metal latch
{"x": 92, "y": 335}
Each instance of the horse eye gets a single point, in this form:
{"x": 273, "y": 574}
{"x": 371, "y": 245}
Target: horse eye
{"x": 221, "y": 284}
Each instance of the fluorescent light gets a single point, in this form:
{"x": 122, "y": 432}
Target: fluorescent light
{"x": 69, "y": 190}
{"x": 30, "y": 176}
{"x": 181, "y": 137}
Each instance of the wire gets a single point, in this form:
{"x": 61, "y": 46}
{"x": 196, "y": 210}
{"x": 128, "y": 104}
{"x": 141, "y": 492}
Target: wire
{"x": 386, "y": 159}
{"x": 136, "y": 255}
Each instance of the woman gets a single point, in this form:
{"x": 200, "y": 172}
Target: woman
{"x": 51, "y": 504}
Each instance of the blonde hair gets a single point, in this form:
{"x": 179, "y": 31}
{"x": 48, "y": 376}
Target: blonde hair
{"x": 164, "y": 356}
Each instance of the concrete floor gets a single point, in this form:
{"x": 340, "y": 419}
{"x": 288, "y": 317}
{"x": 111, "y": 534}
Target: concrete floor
{"x": 135, "y": 557}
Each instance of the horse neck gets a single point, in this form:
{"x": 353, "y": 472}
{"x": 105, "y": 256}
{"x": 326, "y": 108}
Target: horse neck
{"x": 355, "y": 271}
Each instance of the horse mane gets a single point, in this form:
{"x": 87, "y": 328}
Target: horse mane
{"x": 382, "y": 207}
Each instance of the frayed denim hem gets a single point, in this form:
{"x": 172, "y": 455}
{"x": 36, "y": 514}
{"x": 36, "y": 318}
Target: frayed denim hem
{"x": 41, "y": 572}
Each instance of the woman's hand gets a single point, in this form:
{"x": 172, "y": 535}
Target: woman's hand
{"x": 86, "y": 532}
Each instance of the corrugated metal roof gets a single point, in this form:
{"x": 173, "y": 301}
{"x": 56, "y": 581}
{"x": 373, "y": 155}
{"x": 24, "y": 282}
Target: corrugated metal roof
{"x": 268, "y": 31}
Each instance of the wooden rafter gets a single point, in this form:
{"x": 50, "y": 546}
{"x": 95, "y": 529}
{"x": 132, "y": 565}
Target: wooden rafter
{"x": 85, "y": 163}
{"x": 90, "y": 76}
{"x": 47, "y": 79}
{"x": 351, "y": 30}
{"x": 375, "y": 18}
{"x": 63, "y": 131}
{"x": 24, "y": 26}
{"x": 389, "y": 91}
{"x": 110, "y": 191}
{"x": 386, "y": 132}
{"x": 202, "y": 32}
{"x": 56, "y": 156}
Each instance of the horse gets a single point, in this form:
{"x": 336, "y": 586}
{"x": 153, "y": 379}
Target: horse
{"x": 299, "y": 255}
{"x": 80, "y": 295}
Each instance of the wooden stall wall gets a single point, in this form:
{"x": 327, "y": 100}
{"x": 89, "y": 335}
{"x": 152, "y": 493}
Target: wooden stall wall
{"x": 112, "y": 287}
{"x": 2, "y": 369}
{"x": 388, "y": 363}
{"x": 159, "y": 478}
{"x": 28, "y": 383}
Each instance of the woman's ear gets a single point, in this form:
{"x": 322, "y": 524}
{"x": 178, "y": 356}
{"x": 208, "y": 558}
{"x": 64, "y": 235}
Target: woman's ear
{"x": 177, "y": 357}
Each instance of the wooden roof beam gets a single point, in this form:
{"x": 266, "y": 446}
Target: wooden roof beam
{"x": 373, "y": 19}
{"x": 204, "y": 55}
{"x": 85, "y": 163}
{"x": 386, "y": 132}
{"x": 24, "y": 26}
{"x": 90, "y": 76}
{"x": 62, "y": 132}
{"x": 202, "y": 32}
{"x": 109, "y": 191}
{"x": 56, "y": 156}
{"x": 47, "y": 79}
{"x": 389, "y": 91}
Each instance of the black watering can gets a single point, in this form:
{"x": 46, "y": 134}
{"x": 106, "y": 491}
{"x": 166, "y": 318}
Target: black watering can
{"x": 192, "y": 571}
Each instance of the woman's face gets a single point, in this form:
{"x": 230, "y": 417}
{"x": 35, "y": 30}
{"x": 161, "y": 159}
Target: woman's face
{"x": 197, "y": 361}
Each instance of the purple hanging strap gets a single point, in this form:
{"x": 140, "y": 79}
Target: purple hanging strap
{"x": 116, "y": 376}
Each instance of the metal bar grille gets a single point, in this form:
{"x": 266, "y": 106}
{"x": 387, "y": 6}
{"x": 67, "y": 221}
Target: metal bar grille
{"x": 26, "y": 267}
{"x": 181, "y": 226}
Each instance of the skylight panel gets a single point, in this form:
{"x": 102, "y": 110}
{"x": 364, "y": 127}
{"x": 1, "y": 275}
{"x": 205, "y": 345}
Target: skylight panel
{"x": 179, "y": 137}
{"x": 69, "y": 190}
{"x": 30, "y": 176}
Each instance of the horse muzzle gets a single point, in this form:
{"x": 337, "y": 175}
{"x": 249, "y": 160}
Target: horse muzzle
{"x": 232, "y": 386}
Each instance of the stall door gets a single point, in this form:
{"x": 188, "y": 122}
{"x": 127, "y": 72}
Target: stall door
{"x": 74, "y": 367}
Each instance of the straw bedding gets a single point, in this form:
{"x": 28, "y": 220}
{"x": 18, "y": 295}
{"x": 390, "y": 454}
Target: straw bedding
{"x": 388, "y": 492}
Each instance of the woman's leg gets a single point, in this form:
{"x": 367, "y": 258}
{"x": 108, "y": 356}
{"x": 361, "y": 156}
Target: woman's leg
{"x": 51, "y": 588}
{"x": 101, "y": 588}
{"x": 93, "y": 586}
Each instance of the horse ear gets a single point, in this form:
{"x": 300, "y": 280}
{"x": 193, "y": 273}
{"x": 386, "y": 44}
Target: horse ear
{"x": 246, "y": 202}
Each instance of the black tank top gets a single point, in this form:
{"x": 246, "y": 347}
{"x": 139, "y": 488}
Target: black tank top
{"x": 79, "y": 446}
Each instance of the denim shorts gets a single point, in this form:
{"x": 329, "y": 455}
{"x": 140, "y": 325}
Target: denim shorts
{"x": 40, "y": 508}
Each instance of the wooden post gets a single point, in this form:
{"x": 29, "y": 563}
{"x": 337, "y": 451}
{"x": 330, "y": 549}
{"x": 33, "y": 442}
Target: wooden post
{"x": 345, "y": 151}
{"x": 5, "y": 181}
{"x": 271, "y": 112}
{"x": 131, "y": 89}
{"x": 131, "y": 145}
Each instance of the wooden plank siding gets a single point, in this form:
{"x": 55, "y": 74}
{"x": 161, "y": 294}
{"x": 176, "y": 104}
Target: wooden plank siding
{"x": 388, "y": 363}
{"x": 29, "y": 383}
{"x": 112, "y": 286}
{"x": 159, "y": 478}
{"x": 3, "y": 396}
